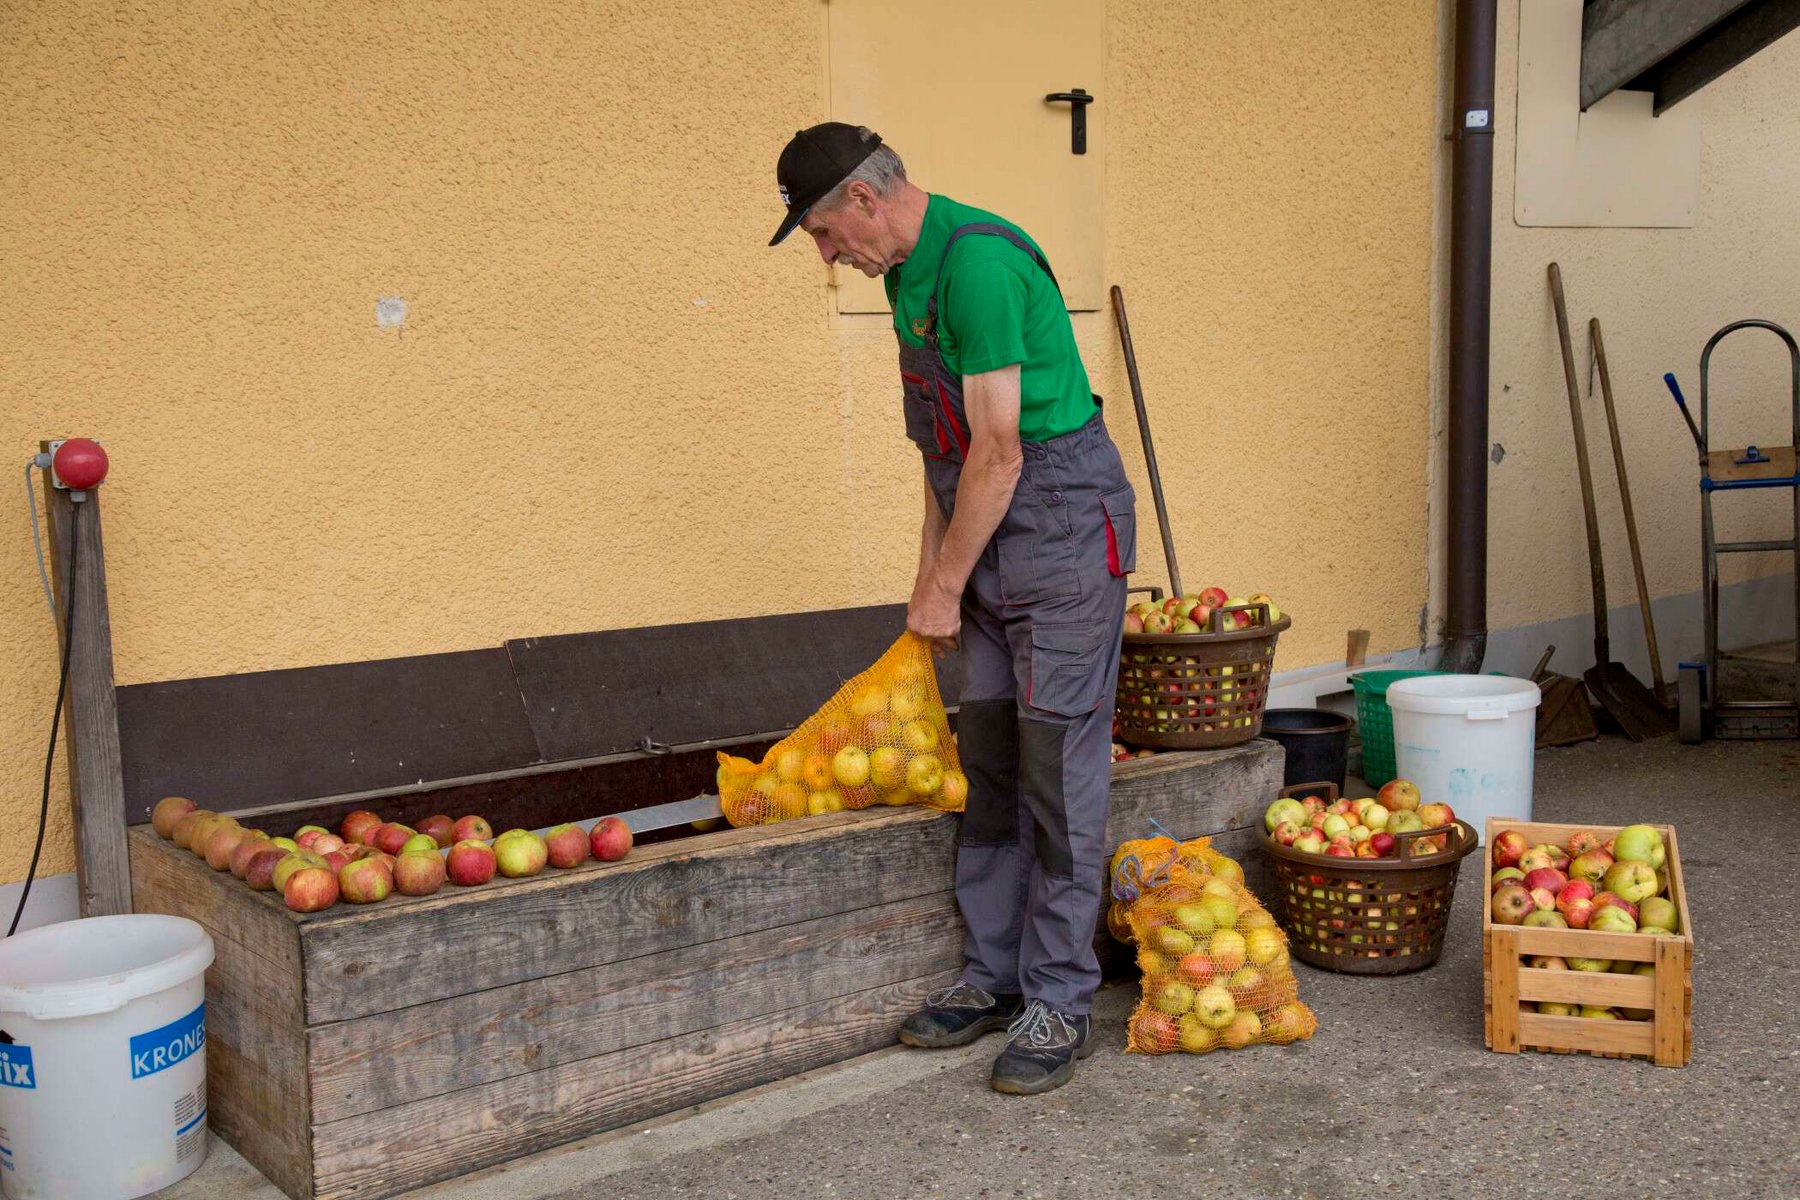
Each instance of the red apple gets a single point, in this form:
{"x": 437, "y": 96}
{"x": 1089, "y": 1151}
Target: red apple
{"x": 1340, "y": 850}
{"x": 1212, "y": 597}
{"x": 1133, "y": 623}
{"x": 1504, "y": 874}
{"x": 1436, "y": 816}
{"x": 325, "y": 843}
{"x": 1511, "y": 904}
{"x": 296, "y": 860}
{"x": 1285, "y": 833}
{"x": 306, "y": 834}
{"x": 390, "y": 838}
{"x": 1591, "y": 865}
{"x": 169, "y": 810}
{"x": 1398, "y": 795}
{"x": 1196, "y": 969}
{"x": 1544, "y": 899}
{"x": 1383, "y": 843}
{"x": 338, "y": 859}
{"x": 247, "y": 849}
{"x": 363, "y": 882}
{"x": 441, "y": 828}
{"x": 310, "y": 889}
{"x": 1582, "y": 841}
{"x": 224, "y": 840}
{"x": 356, "y": 827}
{"x": 567, "y": 846}
{"x": 420, "y": 873}
{"x": 611, "y": 839}
{"x": 471, "y": 862}
{"x": 260, "y": 874}
{"x": 471, "y": 829}
{"x": 1509, "y": 846}
{"x": 1548, "y": 878}
{"x": 1537, "y": 856}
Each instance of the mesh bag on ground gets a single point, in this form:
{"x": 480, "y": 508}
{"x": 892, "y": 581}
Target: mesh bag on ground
{"x": 882, "y": 739}
{"x": 1215, "y": 964}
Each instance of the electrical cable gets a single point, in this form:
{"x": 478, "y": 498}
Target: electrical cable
{"x": 37, "y": 542}
{"x": 62, "y": 687}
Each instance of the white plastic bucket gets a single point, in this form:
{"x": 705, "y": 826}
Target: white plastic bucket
{"x": 1468, "y": 741}
{"x": 103, "y": 1062}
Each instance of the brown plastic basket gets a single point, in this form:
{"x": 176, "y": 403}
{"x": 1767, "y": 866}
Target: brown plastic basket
{"x": 1197, "y": 691}
{"x": 1367, "y": 916}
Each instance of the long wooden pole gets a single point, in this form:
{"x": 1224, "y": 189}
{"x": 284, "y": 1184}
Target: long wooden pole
{"x": 91, "y": 715}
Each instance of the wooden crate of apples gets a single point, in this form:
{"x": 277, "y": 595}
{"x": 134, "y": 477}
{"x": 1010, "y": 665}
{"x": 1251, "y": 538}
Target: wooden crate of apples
{"x": 1588, "y": 943}
{"x": 367, "y": 859}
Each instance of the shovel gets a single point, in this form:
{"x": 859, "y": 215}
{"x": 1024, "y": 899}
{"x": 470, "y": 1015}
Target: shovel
{"x": 1563, "y": 715}
{"x": 1627, "y": 701}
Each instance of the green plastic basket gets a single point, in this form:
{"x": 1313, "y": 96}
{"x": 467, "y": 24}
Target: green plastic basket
{"x": 1376, "y": 723}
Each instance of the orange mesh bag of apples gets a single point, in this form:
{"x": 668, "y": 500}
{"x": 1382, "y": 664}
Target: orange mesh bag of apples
{"x": 1215, "y": 964}
{"x": 882, "y": 739}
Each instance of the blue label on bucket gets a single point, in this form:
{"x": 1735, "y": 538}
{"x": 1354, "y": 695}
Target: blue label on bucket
{"x": 162, "y": 1048}
{"x": 16, "y": 1068}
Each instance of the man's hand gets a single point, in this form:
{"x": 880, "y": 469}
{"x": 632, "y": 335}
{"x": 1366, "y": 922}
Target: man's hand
{"x": 934, "y": 612}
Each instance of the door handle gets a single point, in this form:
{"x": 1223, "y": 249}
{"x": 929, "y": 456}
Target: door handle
{"x": 1077, "y": 99}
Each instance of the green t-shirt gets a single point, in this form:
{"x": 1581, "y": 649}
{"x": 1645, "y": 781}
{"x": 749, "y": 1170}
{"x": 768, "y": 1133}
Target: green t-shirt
{"x": 998, "y": 307}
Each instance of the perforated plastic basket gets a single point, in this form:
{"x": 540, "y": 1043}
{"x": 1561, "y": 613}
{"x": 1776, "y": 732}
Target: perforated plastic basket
{"x": 1375, "y": 724}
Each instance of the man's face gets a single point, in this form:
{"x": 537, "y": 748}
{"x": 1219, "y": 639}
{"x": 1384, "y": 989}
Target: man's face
{"x": 853, "y": 233}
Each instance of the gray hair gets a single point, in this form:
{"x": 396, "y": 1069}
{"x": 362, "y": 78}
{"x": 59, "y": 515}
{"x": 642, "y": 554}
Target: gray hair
{"x": 881, "y": 171}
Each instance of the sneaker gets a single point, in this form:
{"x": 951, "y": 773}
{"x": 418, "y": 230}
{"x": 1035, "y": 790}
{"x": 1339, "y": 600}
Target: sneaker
{"x": 1041, "y": 1055}
{"x": 957, "y": 1015}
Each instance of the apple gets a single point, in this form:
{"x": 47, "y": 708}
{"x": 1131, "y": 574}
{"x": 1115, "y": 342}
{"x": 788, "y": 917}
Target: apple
{"x": 1398, "y": 794}
{"x": 471, "y": 828}
{"x": 1546, "y": 877}
{"x": 1591, "y": 865}
{"x": 260, "y": 873}
{"x": 1552, "y": 1008}
{"x": 1594, "y": 1012}
{"x": 1245, "y": 1028}
{"x": 1196, "y": 969}
{"x": 1286, "y": 833}
{"x": 1366, "y": 850}
{"x": 1383, "y": 843}
{"x": 1436, "y": 816}
{"x": 1631, "y": 880}
{"x": 440, "y": 828}
{"x": 224, "y": 840}
{"x": 1193, "y": 1036}
{"x": 326, "y": 843}
{"x": 565, "y": 846}
{"x": 1285, "y": 809}
{"x": 470, "y": 862}
{"x": 1158, "y": 622}
{"x": 1536, "y": 857}
{"x": 1545, "y": 918}
{"x": 1375, "y": 817}
{"x": 1612, "y": 919}
{"x": 520, "y": 854}
{"x": 364, "y": 882}
{"x": 1613, "y": 900}
{"x": 1506, "y": 873}
{"x": 1228, "y": 870}
{"x": 1153, "y": 1030}
{"x": 869, "y": 700}
{"x": 310, "y": 889}
{"x": 392, "y": 837}
{"x": 1582, "y": 841}
{"x": 1214, "y": 1006}
{"x": 1172, "y": 941}
{"x": 925, "y": 774}
{"x": 307, "y": 833}
{"x": 1264, "y": 945}
{"x": 356, "y": 827}
{"x": 1659, "y": 915}
{"x": 248, "y": 848}
{"x": 887, "y": 767}
{"x": 1544, "y": 899}
{"x": 788, "y": 802}
{"x": 167, "y": 812}
{"x": 815, "y": 773}
{"x": 1404, "y": 820}
{"x": 1595, "y": 965}
{"x": 183, "y": 830}
{"x": 1509, "y": 847}
{"x": 1334, "y": 825}
{"x": 1511, "y": 904}
{"x": 1227, "y": 949}
{"x": 423, "y": 872}
{"x": 1193, "y": 918}
{"x": 919, "y": 736}
{"x": 297, "y": 860}
{"x": 202, "y": 834}
{"x": 285, "y": 843}
{"x": 1576, "y": 904}
{"x": 1172, "y": 996}
{"x": 1287, "y": 1023}
{"x": 827, "y": 801}
{"x": 611, "y": 839}
{"x": 1310, "y": 842}
{"x": 1360, "y": 834}
{"x": 1640, "y": 844}
{"x": 851, "y": 765}
{"x": 834, "y": 733}
{"x": 1134, "y": 623}
{"x": 1221, "y": 909}
{"x": 338, "y": 858}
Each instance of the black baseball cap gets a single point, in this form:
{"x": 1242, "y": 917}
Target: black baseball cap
{"x": 814, "y": 162}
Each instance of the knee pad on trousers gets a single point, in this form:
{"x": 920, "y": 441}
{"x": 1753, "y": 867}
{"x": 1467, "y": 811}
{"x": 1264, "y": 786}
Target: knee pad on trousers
{"x": 987, "y": 741}
{"x": 1041, "y": 782}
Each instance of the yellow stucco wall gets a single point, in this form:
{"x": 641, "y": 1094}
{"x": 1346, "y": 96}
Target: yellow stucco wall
{"x": 610, "y": 404}
{"x": 1659, "y": 294}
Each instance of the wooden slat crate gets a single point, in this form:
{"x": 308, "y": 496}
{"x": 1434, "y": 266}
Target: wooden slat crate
{"x": 365, "y": 1051}
{"x": 1667, "y": 1038}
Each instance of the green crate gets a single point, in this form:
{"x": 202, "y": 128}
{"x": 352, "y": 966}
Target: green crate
{"x": 1376, "y": 724}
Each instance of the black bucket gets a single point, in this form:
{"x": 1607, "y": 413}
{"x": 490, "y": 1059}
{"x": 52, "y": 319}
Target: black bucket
{"x": 1317, "y": 743}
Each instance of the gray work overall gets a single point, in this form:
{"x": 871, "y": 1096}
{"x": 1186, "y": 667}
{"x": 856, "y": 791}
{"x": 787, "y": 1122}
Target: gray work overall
{"x": 1040, "y": 638}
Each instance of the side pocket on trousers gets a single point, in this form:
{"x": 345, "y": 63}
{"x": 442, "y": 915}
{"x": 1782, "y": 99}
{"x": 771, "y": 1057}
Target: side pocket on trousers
{"x": 1066, "y": 676}
{"x": 1120, "y": 507}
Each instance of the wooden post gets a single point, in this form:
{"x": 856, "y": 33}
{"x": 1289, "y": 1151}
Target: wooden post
{"x": 90, "y": 716}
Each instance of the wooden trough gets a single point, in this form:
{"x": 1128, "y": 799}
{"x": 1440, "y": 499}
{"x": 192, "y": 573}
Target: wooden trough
{"x": 362, "y": 1052}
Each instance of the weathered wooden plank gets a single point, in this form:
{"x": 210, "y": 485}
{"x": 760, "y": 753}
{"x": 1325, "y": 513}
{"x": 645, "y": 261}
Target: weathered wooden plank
{"x": 1600, "y": 989}
{"x": 394, "y": 1058}
{"x": 368, "y": 961}
{"x": 1585, "y": 1033}
{"x": 378, "y": 1154}
{"x": 1670, "y": 1010}
{"x": 1506, "y": 1028}
{"x": 96, "y": 776}
{"x": 1194, "y": 792}
{"x": 257, "y": 1093}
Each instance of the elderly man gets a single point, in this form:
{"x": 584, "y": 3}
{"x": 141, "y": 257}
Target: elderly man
{"x": 1028, "y": 535}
